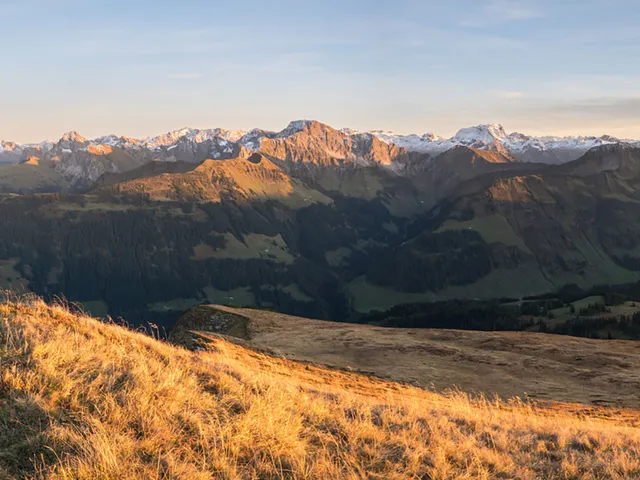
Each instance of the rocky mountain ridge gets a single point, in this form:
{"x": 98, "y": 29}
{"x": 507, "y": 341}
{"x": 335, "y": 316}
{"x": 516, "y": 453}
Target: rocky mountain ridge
{"x": 196, "y": 145}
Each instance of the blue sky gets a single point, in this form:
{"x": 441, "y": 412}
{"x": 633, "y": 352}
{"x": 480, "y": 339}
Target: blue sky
{"x": 140, "y": 68}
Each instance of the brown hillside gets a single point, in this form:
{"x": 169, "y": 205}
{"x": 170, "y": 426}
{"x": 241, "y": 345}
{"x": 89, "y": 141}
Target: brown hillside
{"x": 83, "y": 400}
{"x": 151, "y": 169}
{"x": 543, "y": 367}
{"x": 254, "y": 178}
{"x": 30, "y": 178}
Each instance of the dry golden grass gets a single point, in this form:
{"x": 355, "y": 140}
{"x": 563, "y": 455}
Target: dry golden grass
{"x": 509, "y": 364}
{"x": 84, "y": 400}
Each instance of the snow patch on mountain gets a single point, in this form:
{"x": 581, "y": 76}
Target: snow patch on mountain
{"x": 491, "y": 136}
{"x": 481, "y": 134}
{"x": 194, "y": 135}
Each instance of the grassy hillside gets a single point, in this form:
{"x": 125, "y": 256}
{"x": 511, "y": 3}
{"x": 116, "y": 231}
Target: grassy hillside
{"x": 29, "y": 178}
{"x": 218, "y": 180}
{"x": 509, "y": 364}
{"x": 84, "y": 400}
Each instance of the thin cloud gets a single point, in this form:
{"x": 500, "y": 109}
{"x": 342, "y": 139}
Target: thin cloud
{"x": 185, "y": 76}
{"x": 512, "y": 10}
{"x": 611, "y": 108}
{"x": 618, "y": 116}
{"x": 510, "y": 95}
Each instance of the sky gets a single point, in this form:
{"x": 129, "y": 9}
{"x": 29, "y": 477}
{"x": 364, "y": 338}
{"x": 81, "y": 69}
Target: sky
{"x": 411, "y": 66}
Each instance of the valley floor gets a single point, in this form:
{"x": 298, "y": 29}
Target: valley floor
{"x": 80, "y": 399}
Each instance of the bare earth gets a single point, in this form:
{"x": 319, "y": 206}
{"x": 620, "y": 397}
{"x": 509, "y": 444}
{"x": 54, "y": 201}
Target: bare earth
{"x": 540, "y": 366}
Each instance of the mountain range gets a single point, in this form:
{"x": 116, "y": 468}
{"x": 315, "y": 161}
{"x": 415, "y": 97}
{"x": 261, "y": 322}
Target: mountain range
{"x": 315, "y": 221}
{"x": 74, "y": 163}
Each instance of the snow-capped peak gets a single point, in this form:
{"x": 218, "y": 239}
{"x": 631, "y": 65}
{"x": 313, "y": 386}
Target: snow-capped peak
{"x": 489, "y": 136}
{"x": 481, "y": 133}
{"x": 194, "y": 135}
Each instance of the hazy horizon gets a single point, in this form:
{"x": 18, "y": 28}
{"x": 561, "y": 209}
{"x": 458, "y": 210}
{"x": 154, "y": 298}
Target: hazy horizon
{"x": 536, "y": 66}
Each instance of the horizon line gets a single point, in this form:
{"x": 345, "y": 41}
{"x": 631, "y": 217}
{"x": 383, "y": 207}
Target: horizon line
{"x": 341, "y": 129}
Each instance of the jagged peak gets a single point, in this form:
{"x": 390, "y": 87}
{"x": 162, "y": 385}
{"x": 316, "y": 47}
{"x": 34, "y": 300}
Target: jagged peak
{"x": 431, "y": 137}
{"x": 298, "y": 126}
{"x": 624, "y": 151}
{"x": 256, "y": 133}
{"x": 8, "y": 146}
{"x": 73, "y": 136}
{"x": 621, "y": 157}
{"x": 169, "y": 137}
{"x": 614, "y": 147}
